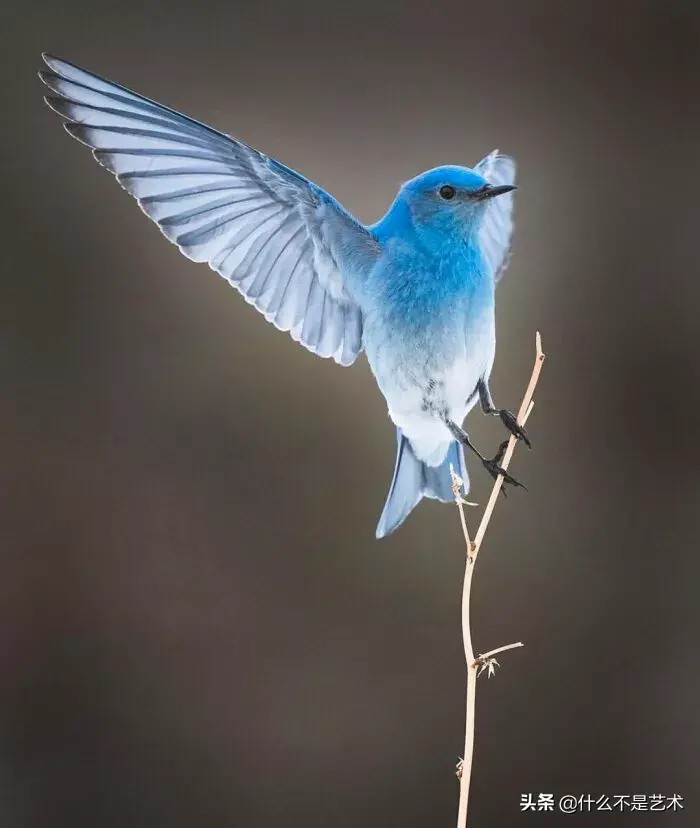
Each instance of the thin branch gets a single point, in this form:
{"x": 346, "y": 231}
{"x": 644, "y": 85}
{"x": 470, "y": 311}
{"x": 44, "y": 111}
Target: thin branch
{"x": 524, "y": 412}
{"x": 482, "y": 657}
{"x": 485, "y": 660}
{"x": 457, "y": 484}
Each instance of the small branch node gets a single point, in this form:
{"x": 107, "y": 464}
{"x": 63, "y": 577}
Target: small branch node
{"x": 457, "y": 484}
{"x": 485, "y": 656}
{"x": 489, "y": 664}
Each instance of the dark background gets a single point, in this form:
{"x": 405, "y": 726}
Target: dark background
{"x": 199, "y": 627}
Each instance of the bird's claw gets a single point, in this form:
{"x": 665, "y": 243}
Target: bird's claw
{"x": 494, "y": 469}
{"x": 510, "y": 421}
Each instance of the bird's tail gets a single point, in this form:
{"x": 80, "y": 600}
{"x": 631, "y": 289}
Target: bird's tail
{"x": 413, "y": 480}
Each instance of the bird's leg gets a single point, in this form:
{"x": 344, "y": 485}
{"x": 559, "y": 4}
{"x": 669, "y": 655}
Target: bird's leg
{"x": 493, "y": 467}
{"x": 501, "y": 452}
{"x": 508, "y": 419}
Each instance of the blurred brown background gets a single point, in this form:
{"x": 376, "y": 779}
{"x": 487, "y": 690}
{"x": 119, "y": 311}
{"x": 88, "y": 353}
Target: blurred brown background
{"x": 199, "y": 627}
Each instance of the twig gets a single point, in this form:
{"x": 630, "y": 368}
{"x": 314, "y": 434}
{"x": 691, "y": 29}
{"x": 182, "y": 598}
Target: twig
{"x": 486, "y": 660}
{"x": 457, "y": 484}
{"x": 525, "y": 410}
{"x": 483, "y": 657}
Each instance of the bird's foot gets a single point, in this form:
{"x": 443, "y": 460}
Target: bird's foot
{"x": 510, "y": 421}
{"x": 494, "y": 468}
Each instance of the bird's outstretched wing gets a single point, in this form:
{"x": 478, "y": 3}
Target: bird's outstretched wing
{"x": 497, "y": 227}
{"x": 273, "y": 234}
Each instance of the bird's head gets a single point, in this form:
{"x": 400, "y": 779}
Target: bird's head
{"x": 449, "y": 200}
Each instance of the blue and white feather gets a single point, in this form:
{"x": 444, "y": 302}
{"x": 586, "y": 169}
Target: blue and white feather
{"x": 272, "y": 233}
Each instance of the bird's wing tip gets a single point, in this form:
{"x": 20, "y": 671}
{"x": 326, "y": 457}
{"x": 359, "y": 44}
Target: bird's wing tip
{"x": 50, "y": 60}
{"x": 53, "y": 102}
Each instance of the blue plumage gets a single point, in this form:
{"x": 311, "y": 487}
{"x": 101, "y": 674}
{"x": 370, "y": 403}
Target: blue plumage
{"x": 415, "y": 291}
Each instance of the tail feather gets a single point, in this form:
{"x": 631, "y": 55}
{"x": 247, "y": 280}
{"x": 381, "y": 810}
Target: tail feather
{"x": 413, "y": 480}
{"x": 438, "y": 480}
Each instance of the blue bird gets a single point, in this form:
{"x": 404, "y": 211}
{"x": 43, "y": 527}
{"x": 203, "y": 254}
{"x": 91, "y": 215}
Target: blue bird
{"x": 415, "y": 291}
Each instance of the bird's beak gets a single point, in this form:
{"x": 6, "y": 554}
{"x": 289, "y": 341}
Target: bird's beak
{"x": 492, "y": 190}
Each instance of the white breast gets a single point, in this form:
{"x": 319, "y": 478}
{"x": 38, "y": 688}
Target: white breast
{"x": 417, "y": 390}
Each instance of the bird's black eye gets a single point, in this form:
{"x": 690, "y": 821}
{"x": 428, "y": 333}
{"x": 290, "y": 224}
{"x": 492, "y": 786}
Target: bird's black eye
{"x": 447, "y": 191}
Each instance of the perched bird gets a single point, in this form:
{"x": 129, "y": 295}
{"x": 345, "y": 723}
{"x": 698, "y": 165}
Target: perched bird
{"x": 415, "y": 291}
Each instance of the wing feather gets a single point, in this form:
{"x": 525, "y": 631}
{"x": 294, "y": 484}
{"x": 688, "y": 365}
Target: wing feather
{"x": 274, "y": 235}
{"x": 497, "y": 227}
